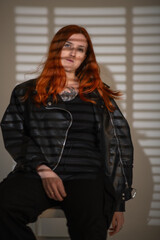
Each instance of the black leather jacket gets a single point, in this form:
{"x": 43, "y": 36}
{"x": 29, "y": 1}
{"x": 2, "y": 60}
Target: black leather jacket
{"x": 35, "y": 135}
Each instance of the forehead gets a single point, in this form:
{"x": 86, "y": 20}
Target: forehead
{"x": 78, "y": 39}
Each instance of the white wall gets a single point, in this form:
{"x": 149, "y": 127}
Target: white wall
{"x": 126, "y": 37}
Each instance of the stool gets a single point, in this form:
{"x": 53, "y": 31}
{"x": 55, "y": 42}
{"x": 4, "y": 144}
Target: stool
{"x": 51, "y": 223}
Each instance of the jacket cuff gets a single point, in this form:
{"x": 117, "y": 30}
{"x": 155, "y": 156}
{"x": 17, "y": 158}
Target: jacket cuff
{"x": 38, "y": 163}
{"x": 120, "y": 206}
{"x": 31, "y": 166}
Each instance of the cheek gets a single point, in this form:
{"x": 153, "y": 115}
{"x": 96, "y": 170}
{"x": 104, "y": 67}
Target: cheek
{"x": 62, "y": 54}
{"x": 82, "y": 58}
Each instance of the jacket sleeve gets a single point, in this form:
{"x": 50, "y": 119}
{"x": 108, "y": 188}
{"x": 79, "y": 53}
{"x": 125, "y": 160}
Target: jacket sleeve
{"x": 125, "y": 158}
{"x": 17, "y": 141}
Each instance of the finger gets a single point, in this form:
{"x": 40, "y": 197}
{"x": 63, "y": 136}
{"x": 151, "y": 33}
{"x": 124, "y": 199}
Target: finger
{"x": 113, "y": 232}
{"x": 54, "y": 188}
{"x": 113, "y": 229}
{"x": 113, "y": 226}
{"x": 61, "y": 189}
{"x": 118, "y": 227}
{"x": 120, "y": 223}
{"x": 57, "y": 194}
{"x": 51, "y": 195}
{"x": 48, "y": 189}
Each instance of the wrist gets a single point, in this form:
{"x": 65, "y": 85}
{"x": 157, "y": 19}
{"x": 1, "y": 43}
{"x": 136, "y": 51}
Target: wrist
{"x": 42, "y": 167}
{"x": 44, "y": 171}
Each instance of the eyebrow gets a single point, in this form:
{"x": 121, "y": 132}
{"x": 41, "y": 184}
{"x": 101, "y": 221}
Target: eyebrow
{"x": 72, "y": 44}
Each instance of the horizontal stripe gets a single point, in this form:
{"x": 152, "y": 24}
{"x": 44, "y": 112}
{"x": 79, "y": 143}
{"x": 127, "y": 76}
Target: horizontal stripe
{"x": 81, "y": 155}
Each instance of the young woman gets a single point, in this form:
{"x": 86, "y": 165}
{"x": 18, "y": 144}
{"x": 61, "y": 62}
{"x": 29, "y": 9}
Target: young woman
{"x": 71, "y": 144}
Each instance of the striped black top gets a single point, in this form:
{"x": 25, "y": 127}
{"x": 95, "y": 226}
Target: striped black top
{"x": 81, "y": 157}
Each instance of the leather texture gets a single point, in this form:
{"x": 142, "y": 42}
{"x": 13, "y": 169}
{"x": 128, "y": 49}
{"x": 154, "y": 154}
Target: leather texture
{"x": 35, "y": 135}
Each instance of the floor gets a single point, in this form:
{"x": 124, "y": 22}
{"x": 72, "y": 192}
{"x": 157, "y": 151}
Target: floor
{"x": 51, "y": 238}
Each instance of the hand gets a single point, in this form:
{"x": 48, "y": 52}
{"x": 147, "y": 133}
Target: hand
{"x": 52, "y": 183}
{"x": 117, "y": 223}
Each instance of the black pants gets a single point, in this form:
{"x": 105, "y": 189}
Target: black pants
{"x": 22, "y": 200}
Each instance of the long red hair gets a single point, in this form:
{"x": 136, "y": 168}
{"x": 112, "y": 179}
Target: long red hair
{"x": 52, "y": 79}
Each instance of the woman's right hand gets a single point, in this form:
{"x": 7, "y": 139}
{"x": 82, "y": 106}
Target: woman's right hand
{"x": 52, "y": 183}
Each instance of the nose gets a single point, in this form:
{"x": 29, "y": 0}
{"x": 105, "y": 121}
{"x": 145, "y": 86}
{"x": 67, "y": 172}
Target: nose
{"x": 73, "y": 52}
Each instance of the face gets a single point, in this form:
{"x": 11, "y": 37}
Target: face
{"x": 74, "y": 52}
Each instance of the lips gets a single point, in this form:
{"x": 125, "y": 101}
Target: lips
{"x": 69, "y": 60}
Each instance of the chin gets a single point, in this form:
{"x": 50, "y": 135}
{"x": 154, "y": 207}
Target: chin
{"x": 67, "y": 69}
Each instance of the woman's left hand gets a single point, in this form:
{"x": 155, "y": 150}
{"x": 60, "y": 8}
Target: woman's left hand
{"x": 117, "y": 223}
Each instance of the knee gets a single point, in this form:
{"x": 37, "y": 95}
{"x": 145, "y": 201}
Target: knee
{"x": 6, "y": 202}
{"x": 4, "y": 205}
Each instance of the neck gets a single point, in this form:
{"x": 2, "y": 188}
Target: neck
{"x": 70, "y": 75}
{"x": 71, "y": 80}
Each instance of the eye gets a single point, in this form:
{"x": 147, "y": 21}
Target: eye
{"x": 80, "y": 49}
{"x": 67, "y": 45}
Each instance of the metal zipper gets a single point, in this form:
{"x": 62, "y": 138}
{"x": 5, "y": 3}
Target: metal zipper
{"x": 66, "y": 134}
{"x": 119, "y": 151}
